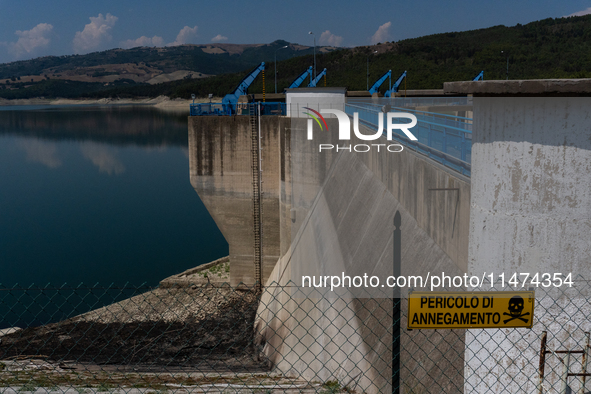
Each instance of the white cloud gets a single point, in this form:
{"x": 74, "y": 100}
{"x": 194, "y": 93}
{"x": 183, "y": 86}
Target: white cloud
{"x": 41, "y": 152}
{"x": 158, "y": 41}
{"x": 94, "y": 34}
{"x": 382, "y": 34}
{"x": 143, "y": 41}
{"x": 102, "y": 158}
{"x": 580, "y": 13}
{"x": 327, "y": 38}
{"x": 185, "y": 36}
{"x": 219, "y": 38}
{"x": 30, "y": 40}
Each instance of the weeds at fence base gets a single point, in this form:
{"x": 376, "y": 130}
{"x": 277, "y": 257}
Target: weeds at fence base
{"x": 334, "y": 387}
{"x": 102, "y": 381}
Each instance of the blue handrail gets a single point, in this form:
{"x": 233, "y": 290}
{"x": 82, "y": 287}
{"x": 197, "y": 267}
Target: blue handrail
{"x": 221, "y": 109}
{"x": 444, "y": 138}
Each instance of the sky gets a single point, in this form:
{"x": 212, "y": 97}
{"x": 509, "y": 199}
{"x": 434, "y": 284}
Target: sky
{"x": 33, "y": 28}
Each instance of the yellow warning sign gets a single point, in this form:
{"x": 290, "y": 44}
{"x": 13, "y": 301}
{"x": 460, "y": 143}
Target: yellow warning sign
{"x": 481, "y": 309}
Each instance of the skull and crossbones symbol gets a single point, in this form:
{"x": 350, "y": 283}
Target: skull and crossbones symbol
{"x": 516, "y": 305}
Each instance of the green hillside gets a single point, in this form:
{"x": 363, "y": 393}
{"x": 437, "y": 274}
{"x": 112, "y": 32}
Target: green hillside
{"x": 550, "y": 48}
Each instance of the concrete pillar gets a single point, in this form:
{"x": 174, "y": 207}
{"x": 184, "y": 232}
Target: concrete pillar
{"x": 530, "y": 213}
{"x": 221, "y": 173}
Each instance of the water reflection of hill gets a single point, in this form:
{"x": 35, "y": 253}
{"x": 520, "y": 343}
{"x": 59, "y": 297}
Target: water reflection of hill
{"x": 116, "y": 125}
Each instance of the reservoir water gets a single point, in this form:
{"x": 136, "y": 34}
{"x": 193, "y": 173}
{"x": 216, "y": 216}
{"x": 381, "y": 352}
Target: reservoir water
{"x": 98, "y": 195}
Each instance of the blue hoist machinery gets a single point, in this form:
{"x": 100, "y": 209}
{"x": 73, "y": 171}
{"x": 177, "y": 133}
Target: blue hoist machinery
{"x": 230, "y": 100}
{"x": 376, "y": 86}
{"x": 299, "y": 80}
{"x": 394, "y": 88}
{"x": 315, "y": 81}
{"x": 479, "y": 77}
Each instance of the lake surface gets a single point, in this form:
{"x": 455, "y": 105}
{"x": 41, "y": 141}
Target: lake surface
{"x": 98, "y": 195}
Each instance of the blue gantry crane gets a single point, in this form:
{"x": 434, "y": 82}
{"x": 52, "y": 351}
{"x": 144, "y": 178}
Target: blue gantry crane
{"x": 314, "y": 82}
{"x": 376, "y": 86}
{"x": 394, "y": 88}
{"x": 230, "y": 100}
{"x": 479, "y": 77}
{"x": 299, "y": 80}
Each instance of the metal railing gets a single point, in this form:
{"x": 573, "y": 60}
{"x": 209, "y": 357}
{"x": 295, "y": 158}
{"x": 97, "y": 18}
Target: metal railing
{"x": 444, "y": 138}
{"x": 418, "y": 101}
{"x": 219, "y": 109}
{"x": 209, "y": 109}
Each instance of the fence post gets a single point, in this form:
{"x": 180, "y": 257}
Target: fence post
{"x": 396, "y": 303}
{"x": 566, "y": 362}
{"x": 542, "y": 360}
{"x": 585, "y": 362}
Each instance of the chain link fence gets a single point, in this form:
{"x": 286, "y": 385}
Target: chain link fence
{"x": 219, "y": 339}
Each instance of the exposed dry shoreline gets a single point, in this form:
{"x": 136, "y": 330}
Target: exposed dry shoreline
{"x": 160, "y": 102}
{"x": 190, "y": 324}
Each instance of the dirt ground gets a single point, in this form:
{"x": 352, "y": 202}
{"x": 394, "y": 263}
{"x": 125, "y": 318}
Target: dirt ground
{"x": 204, "y": 328}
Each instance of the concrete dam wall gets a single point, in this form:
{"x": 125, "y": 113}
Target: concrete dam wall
{"x": 526, "y": 208}
{"x": 347, "y": 201}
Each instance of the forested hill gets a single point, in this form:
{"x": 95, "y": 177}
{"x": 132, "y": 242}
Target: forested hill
{"x": 550, "y": 48}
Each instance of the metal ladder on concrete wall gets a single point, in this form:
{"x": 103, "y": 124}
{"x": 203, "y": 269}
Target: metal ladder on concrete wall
{"x": 565, "y": 388}
{"x": 257, "y": 214}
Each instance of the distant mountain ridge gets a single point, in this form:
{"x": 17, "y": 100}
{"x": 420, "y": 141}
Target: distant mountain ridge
{"x": 145, "y": 64}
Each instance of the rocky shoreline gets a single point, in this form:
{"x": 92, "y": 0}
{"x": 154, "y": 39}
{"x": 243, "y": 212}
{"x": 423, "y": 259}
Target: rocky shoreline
{"x": 160, "y": 102}
{"x": 201, "y": 324}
